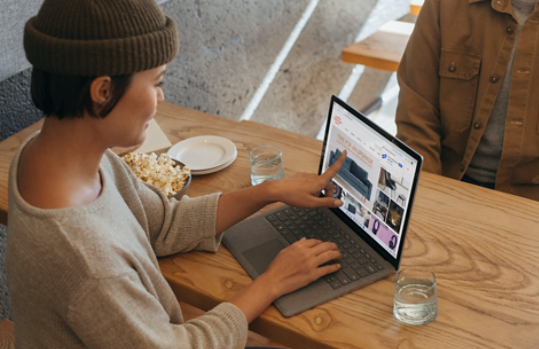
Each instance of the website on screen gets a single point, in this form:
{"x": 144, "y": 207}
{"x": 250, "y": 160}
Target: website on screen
{"x": 375, "y": 180}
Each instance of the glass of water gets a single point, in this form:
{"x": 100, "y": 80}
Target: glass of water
{"x": 266, "y": 164}
{"x": 416, "y": 298}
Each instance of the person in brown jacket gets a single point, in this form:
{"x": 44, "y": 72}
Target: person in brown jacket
{"x": 469, "y": 100}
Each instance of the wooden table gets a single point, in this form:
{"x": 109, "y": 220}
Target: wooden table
{"x": 383, "y": 49}
{"x": 415, "y": 6}
{"x": 483, "y": 246}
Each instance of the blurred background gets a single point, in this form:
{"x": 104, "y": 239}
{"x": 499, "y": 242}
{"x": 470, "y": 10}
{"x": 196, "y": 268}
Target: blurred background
{"x": 275, "y": 62}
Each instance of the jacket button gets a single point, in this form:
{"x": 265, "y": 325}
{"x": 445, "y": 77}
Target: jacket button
{"x": 477, "y": 125}
{"x": 452, "y": 67}
{"x": 509, "y": 30}
{"x": 494, "y": 78}
{"x": 462, "y": 168}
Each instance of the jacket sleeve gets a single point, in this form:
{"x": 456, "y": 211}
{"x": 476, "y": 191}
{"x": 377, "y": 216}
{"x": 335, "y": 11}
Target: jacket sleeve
{"x": 418, "y": 112}
{"x": 119, "y": 312}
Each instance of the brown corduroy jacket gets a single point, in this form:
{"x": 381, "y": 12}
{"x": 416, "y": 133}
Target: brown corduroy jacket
{"x": 449, "y": 78}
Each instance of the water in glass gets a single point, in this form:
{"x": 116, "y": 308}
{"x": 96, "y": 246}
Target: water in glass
{"x": 416, "y": 300}
{"x": 266, "y": 167}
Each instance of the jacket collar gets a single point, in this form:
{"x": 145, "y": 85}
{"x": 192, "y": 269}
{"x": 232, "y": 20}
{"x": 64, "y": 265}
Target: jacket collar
{"x": 498, "y": 5}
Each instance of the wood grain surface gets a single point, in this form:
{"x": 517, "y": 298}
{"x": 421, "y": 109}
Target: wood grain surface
{"x": 482, "y": 245}
{"x": 7, "y": 334}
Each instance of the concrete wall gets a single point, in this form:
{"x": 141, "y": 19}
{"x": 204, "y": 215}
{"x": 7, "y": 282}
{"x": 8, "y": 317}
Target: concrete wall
{"x": 227, "y": 48}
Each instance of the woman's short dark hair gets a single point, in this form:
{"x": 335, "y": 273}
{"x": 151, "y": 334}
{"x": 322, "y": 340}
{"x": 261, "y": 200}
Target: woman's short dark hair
{"x": 68, "y": 96}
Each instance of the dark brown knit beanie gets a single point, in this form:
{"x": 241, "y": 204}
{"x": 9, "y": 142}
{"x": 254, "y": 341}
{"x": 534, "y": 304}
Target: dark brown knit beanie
{"x": 100, "y": 37}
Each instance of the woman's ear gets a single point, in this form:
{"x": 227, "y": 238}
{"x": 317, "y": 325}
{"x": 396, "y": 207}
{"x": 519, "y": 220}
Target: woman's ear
{"x": 100, "y": 90}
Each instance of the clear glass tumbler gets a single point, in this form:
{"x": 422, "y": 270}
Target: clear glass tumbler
{"x": 266, "y": 164}
{"x": 416, "y": 298}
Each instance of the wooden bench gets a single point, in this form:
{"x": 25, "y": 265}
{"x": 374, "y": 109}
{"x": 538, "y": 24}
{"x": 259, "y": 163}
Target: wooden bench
{"x": 383, "y": 49}
{"x": 415, "y": 6}
{"x": 7, "y": 330}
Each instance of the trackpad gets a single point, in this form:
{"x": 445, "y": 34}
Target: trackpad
{"x": 261, "y": 256}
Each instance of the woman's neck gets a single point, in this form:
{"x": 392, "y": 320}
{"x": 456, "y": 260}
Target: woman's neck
{"x": 60, "y": 166}
{"x": 71, "y": 144}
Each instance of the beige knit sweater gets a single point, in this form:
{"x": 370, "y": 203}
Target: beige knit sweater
{"x": 88, "y": 277}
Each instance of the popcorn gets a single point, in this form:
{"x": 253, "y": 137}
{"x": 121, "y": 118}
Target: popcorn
{"x": 160, "y": 171}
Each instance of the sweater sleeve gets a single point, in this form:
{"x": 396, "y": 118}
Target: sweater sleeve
{"x": 172, "y": 225}
{"x": 418, "y": 112}
{"x": 119, "y": 313}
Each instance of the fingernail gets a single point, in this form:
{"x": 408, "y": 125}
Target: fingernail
{"x": 338, "y": 203}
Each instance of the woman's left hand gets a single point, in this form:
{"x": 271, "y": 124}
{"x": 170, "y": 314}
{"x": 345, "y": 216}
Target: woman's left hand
{"x": 303, "y": 189}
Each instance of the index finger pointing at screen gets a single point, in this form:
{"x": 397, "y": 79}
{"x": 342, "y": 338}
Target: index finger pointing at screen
{"x": 333, "y": 169}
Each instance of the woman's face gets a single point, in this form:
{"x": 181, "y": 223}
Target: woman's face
{"x": 127, "y": 122}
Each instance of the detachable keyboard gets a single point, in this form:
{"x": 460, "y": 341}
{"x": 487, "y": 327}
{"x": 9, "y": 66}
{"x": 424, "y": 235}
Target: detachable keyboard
{"x": 294, "y": 223}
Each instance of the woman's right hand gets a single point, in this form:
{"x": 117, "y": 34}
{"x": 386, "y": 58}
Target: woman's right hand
{"x": 300, "y": 264}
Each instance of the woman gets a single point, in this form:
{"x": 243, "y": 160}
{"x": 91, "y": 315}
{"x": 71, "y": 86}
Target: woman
{"x": 84, "y": 233}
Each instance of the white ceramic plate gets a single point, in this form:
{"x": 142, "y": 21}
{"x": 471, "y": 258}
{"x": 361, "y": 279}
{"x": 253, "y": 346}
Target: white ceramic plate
{"x": 215, "y": 169}
{"x": 203, "y": 153}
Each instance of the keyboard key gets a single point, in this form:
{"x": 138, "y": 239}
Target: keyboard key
{"x": 362, "y": 272}
{"x": 343, "y": 279}
{"x": 276, "y": 223}
{"x": 379, "y": 267}
{"x": 355, "y": 265}
{"x": 335, "y": 285}
{"x": 287, "y": 211}
{"x": 350, "y": 249}
{"x": 330, "y": 278}
{"x": 285, "y": 232}
{"x": 271, "y": 217}
{"x": 280, "y": 227}
{"x": 349, "y": 260}
{"x": 370, "y": 268}
{"x": 297, "y": 233}
{"x": 295, "y": 209}
{"x": 345, "y": 255}
{"x": 281, "y": 216}
{"x": 352, "y": 275}
{"x": 368, "y": 256}
{"x": 353, "y": 250}
{"x": 346, "y": 246}
{"x": 295, "y": 218}
{"x": 288, "y": 223}
{"x": 357, "y": 255}
{"x": 291, "y": 238}
{"x": 363, "y": 261}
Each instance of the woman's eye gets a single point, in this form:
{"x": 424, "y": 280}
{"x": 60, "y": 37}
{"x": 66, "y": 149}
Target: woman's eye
{"x": 160, "y": 84}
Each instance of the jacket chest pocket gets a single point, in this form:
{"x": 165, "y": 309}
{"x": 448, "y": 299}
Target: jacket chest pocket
{"x": 459, "y": 81}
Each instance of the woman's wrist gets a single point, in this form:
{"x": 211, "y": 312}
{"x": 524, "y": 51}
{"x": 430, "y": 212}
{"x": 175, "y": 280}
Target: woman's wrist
{"x": 270, "y": 286}
{"x": 271, "y": 191}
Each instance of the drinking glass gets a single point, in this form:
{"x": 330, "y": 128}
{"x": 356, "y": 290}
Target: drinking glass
{"x": 416, "y": 298}
{"x": 266, "y": 164}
